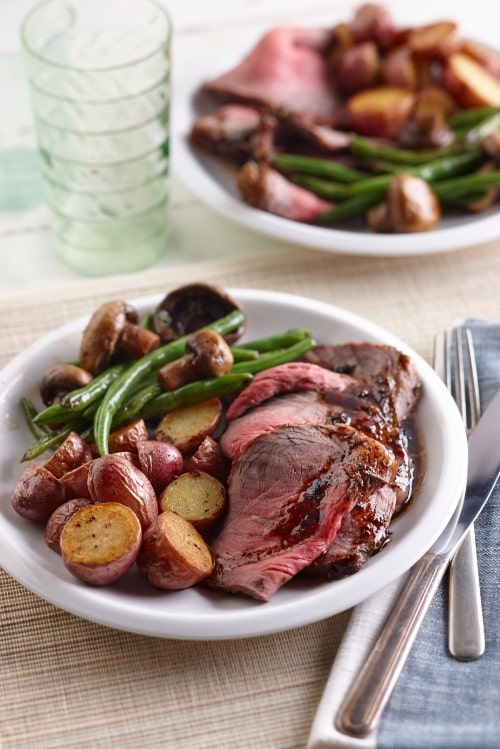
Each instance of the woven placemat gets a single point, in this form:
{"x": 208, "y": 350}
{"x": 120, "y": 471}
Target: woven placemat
{"x": 67, "y": 682}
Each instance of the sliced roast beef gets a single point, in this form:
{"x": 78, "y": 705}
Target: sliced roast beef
{"x": 286, "y": 378}
{"x": 389, "y": 375}
{"x": 288, "y": 493}
{"x": 287, "y": 69}
{"x": 263, "y": 187}
{"x": 227, "y": 131}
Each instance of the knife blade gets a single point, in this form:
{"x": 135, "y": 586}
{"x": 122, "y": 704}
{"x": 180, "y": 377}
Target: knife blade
{"x": 369, "y": 693}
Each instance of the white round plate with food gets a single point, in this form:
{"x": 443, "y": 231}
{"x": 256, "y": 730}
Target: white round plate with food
{"x": 212, "y": 180}
{"x": 198, "y": 613}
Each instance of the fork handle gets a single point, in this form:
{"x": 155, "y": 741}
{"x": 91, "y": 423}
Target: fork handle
{"x": 466, "y": 628}
{"x": 364, "y": 703}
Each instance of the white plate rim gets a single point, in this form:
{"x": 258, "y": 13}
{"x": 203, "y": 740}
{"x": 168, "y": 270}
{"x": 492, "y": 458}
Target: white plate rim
{"x": 233, "y": 618}
{"x": 208, "y": 178}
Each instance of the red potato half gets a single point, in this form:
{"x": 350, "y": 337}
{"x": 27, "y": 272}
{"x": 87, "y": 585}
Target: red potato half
{"x": 197, "y": 497}
{"x": 187, "y": 427}
{"x": 162, "y": 462}
{"x": 173, "y": 554}
{"x": 380, "y": 111}
{"x": 75, "y": 482}
{"x": 100, "y": 542}
{"x": 469, "y": 83}
{"x": 37, "y": 494}
{"x": 113, "y": 478}
{"x": 58, "y": 520}
{"x": 70, "y": 454}
{"x": 436, "y": 40}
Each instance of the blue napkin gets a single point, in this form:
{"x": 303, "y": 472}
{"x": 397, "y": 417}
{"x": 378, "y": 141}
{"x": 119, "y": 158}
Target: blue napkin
{"x": 439, "y": 702}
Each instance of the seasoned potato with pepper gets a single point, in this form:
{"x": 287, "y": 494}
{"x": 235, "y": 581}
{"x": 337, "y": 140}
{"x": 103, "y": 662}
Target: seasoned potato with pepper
{"x": 173, "y": 554}
{"x": 197, "y": 497}
{"x": 187, "y": 427}
{"x": 37, "y": 494}
{"x": 100, "y": 542}
{"x": 70, "y": 454}
{"x": 58, "y": 520}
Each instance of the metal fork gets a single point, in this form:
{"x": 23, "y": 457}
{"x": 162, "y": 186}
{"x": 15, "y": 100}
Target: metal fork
{"x": 454, "y": 354}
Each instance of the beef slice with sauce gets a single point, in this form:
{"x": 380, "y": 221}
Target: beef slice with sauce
{"x": 288, "y": 493}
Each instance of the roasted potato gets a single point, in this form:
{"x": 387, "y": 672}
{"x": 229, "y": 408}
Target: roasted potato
{"x": 75, "y": 482}
{"x": 173, "y": 554}
{"x": 198, "y": 497}
{"x": 37, "y": 493}
{"x": 114, "y": 478}
{"x": 210, "y": 458}
{"x": 436, "y": 40}
{"x": 59, "y": 518}
{"x": 162, "y": 462}
{"x": 188, "y": 426}
{"x": 469, "y": 83}
{"x": 380, "y": 111}
{"x": 399, "y": 68}
{"x": 100, "y": 542}
{"x": 358, "y": 68}
{"x": 125, "y": 438}
{"x": 70, "y": 454}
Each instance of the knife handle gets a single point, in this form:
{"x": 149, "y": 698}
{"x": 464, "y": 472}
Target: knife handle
{"x": 466, "y": 629}
{"x": 366, "y": 698}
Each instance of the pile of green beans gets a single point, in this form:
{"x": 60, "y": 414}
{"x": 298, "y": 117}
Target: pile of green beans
{"x": 451, "y": 171}
{"x": 129, "y": 391}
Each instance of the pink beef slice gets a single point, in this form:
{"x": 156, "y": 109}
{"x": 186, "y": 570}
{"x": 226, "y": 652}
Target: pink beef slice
{"x": 287, "y": 69}
{"x": 286, "y": 378}
{"x": 288, "y": 493}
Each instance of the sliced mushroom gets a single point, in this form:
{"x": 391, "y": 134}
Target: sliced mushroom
{"x": 207, "y": 355}
{"x": 61, "y": 379}
{"x": 190, "y": 308}
{"x": 113, "y": 333}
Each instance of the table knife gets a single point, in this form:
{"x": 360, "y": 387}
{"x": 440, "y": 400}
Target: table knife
{"x": 366, "y": 698}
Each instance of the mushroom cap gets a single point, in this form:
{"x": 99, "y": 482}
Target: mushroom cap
{"x": 213, "y": 357}
{"x": 413, "y": 206}
{"x": 189, "y": 308}
{"x": 101, "y": 335}
{"x": 61, "y": 379}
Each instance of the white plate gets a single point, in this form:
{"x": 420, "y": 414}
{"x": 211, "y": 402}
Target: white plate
{"x": 196, "y": 613}
{"x": 213, "y": 181}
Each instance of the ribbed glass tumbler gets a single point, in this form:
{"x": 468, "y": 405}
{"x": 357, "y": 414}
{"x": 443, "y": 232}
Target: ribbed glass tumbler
{"x": 99, "y": 78}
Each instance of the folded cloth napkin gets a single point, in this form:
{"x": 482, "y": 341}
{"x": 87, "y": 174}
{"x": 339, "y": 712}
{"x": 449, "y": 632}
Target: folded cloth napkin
{"x": 438, "y": 702}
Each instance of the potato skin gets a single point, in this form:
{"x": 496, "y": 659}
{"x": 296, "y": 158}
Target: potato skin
{"x": 70, "y": 454}
{"x": 162, "y": 462}
{"x": 75, "y": 482}
{"x": 210, "y": 458}
{"x": 114, "y": 478}
{"x": 37, "y": 493}
{"x": 100, "y": 542}
{"x": 173, "y": 555}
{"x": 58, "y": 520}
{"x": 126, "y": 438}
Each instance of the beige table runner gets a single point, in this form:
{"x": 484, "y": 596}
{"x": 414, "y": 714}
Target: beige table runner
{"x": 66, "y": 682}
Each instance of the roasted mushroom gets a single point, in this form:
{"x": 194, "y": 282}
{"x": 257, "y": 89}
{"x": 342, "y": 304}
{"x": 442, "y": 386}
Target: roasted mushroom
{"x": 207, "y": 355}
{"x": 112, "y": 334}
{"x": 191, "y": 307}
{"x": 61, "y": 379}
{"x": 410, "y": 206}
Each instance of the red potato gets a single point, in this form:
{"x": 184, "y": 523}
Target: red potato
{"x": 486, "y": 57}
{"x": 358, "y": 68}
{"x": 433, "y": 100}
{"x": 73, "y": 452}
{"x": 173, "y": 555}
{"x": 162, "y": 462}
{"x": 100, "y": 542}
{"x": 380, "y": 111}
{"x": 340, "y": 42}
{"x": 75, "y": 482}
{"x": 469, "y": 83}
{"x": 58, "y": 520}
{"x": 374, "y": 22}
{"x": 197, "y": 497}
{"x": 209, "y": 458}
{"x": 125, "y": 438}
{"x": 37, "y": 494}
{"x": 113, "y": 478}
{"x": 187, "y": 427}
{"x": 399, "y": 68}
{"x": 436, "y": 41}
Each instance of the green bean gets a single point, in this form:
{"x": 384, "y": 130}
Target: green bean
{"x": 317, "y": 167}
{"x": 195, "y": 392}
{"x": 47, "y": 442}
{"x": 472, "y": 117}
{"x": 355, "y": 206}
{"x": 484, "y": 128}
{"x": 401, "y": 156}
{"x": 243, "y": 354}
{"x": 30, "y": 412}
{"x": 277, "y": 341}
{"x": 274, "y": 358}
{"x": 324, "y": 188}
{"x": 82, "y": 397}
{"x": 467, "y": 185}
{"x": 121, "y": 388}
